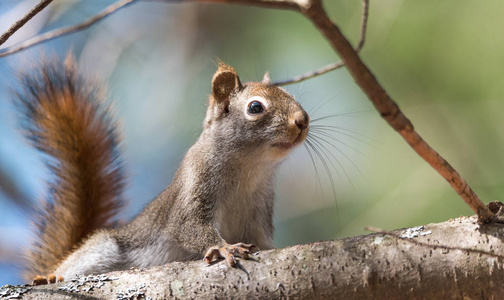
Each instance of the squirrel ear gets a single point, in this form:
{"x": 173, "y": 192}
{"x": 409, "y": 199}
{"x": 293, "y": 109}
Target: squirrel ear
{"x": 224, "y": 82}
{"x": 266, "y": 78}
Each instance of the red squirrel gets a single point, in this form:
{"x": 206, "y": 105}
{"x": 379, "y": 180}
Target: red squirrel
{"x": 219, "y": 204}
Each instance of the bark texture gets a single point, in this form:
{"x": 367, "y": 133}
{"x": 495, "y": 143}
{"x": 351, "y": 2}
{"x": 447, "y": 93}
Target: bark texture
{"x": 457, "y": 259}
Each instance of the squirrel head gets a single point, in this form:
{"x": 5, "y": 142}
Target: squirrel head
{"x": 255, "y": 119}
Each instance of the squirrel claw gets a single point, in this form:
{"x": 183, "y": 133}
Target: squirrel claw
{"x": 41, "y": 280}
{"x": 229, "y": 253}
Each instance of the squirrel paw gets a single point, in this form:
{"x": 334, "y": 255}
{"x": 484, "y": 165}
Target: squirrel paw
{"x": 41, "y": 280}
{"x": 228, "y": 252}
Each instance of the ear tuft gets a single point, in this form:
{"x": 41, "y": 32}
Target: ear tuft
{"x": 222, "y": 66}
{"x": 266, "y": 78}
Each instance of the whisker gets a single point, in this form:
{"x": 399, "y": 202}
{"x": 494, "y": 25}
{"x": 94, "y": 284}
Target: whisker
{"x": 344, "y": 155}
{"x": 322, "y": 148}
{"x": 324, "y": 163}
{"x": 310, "y": 142}
{"x": 339, "y": 115}
{"x": 300, "y": 95}
{"x": 317, "y": 176}
{"x": 339, "y": 130}
{"x": 323, "y": 133}
{"x": 334, "y": 127}
{"x": 321, "y": 103}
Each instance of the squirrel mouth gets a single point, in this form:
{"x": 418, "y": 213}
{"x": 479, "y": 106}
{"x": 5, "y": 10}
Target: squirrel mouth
{"x": 285, "y": 145}
{"x": 288, "y": 145}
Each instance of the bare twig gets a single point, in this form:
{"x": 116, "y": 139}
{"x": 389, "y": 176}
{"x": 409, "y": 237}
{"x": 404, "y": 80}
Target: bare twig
{"x": 67, "y": 30}
{"x": 365, "y": 15}
{"x": 295, "y": 5}
{"x": 311, "y": 74}
{"x": 337, "y": 65}
{"x": 389, "y": 109}
{"x": 18, "y": 24}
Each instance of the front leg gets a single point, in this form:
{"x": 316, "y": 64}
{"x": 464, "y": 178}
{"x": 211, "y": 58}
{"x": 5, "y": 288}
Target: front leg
{"x": 195, "y": 231}
{"x": 206, "y": 240}
{"x": 229, "y": 253}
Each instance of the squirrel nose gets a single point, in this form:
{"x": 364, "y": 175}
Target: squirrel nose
{"x": 301, "y": 119}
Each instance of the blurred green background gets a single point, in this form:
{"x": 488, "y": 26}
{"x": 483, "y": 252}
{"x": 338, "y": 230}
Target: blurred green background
{"x": 442, "y": 61}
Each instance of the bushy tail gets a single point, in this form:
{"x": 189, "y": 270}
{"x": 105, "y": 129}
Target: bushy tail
{"x": 64, "y": 116}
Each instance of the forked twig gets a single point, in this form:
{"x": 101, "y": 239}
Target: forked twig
{"x": 67, "y": 30}
{"x": 337, "y": 65}
{"x": 389, "y": 110}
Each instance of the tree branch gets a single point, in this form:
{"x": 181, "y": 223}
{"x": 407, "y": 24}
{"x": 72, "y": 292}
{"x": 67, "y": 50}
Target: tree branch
{"x": 375, "y": 266}
{"x": 389, "y": 109}
{"x": 337, "y": 65}
{"x": 18, "y": 24}
{"x": 295, "y": 5}
{"x": 67, "y": 30}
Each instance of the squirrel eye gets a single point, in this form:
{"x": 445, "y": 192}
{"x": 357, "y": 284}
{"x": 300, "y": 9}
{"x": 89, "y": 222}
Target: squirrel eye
{"x": 255, "y": 107}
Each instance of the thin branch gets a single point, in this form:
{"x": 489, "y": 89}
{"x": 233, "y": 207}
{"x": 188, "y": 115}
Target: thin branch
{"x": 389, "y": 109}
{"x": 295, "y": 5}
{"x": 308, "y": 75}
{"x": 67, "y": 30}
{"x": 311, "y": 74}
{"x": 365, "y": 15}
{"x": 19, "y": 23}
{"x": 337, "y": 65}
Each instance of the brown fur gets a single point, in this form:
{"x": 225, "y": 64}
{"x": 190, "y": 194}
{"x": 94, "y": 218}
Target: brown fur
{"x": 222, "y": 193}
{"x": 64, "y": 117}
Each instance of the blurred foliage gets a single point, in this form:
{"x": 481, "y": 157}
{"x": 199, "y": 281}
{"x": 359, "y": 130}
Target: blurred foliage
{"x": 440, "y": 60}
